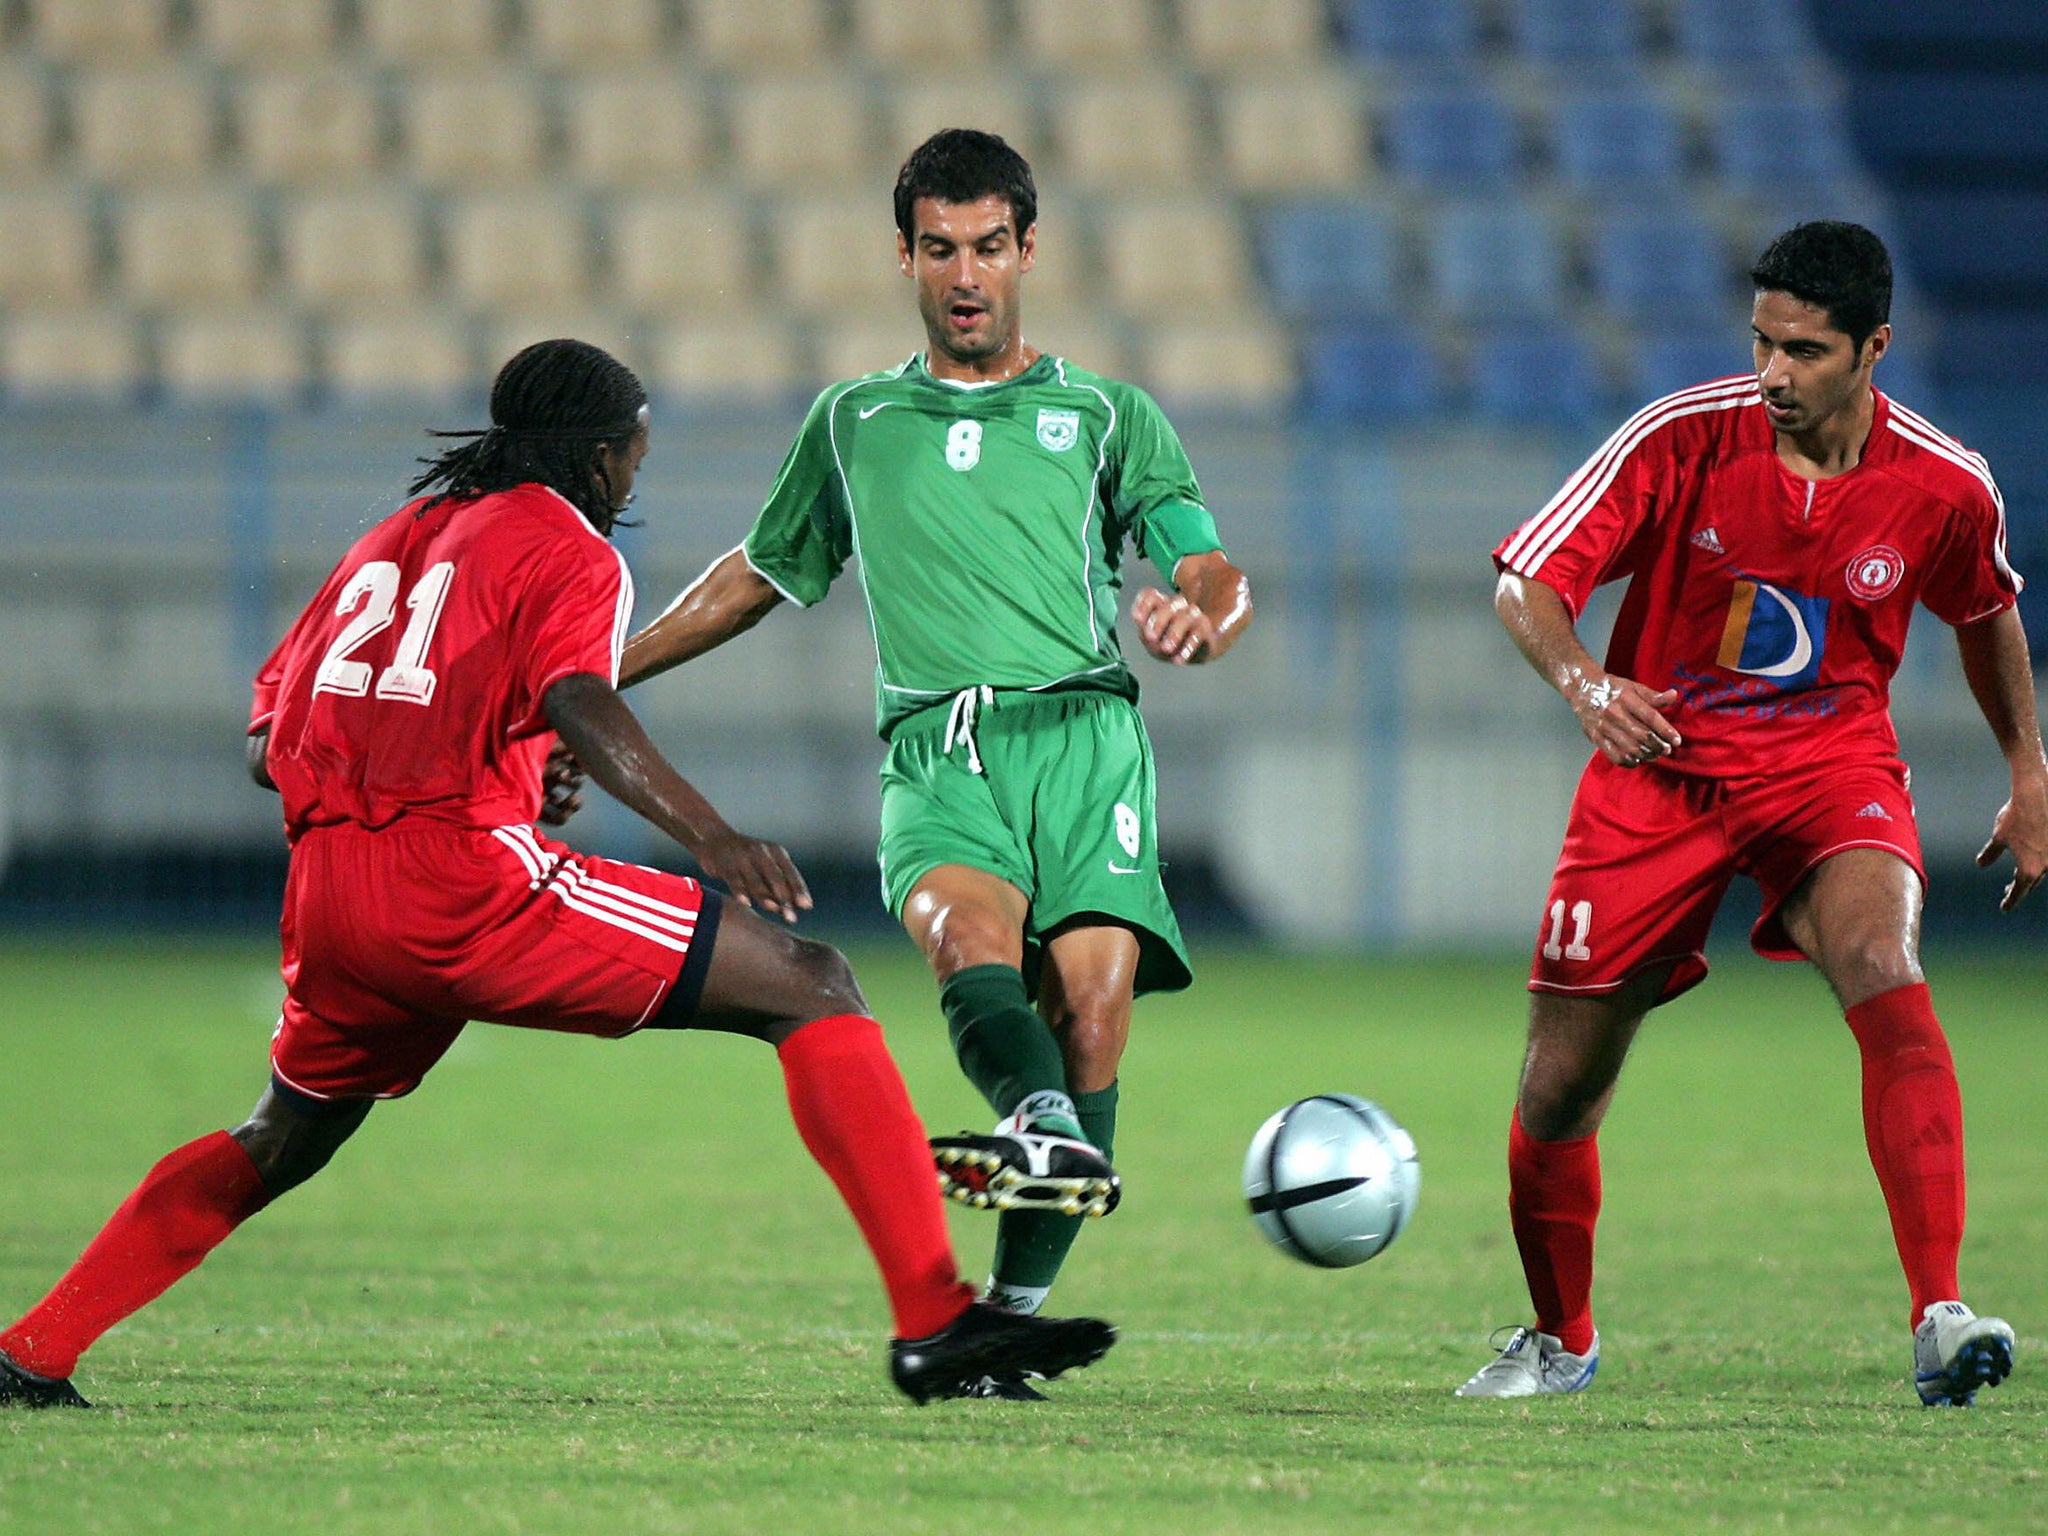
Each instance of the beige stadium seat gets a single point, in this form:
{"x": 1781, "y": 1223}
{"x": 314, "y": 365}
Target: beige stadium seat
{"x": 647, "y": 129}
{"x": 575, "y": 33}
{"x": 1064, "y": 272}
{"x": 267, "y": 30}
{"x": 918, "y": 108}
{"x": 1129, "y": 133}
{"x": 95, "y": 31}
{"x": 46, "y": 248}
{"x": 24, "y": 120}
{"x": 69, "y": 353}
{"x": 1229, "y": 363}
{"x": 146, "y": 124}
{"x": 353, "y": 250}
{"x": 434, "y": 33}
{"x": 916, "y": 33}
{"x": 621, "y": 335}
{"x": 419, "y": 352}
{"x": 1304, "y": 133}
{"x": 802, "y": 131}
{"x": 472, "y": 128}
{"x": 1226, "y": 35}
{"x": 670, "y": 253}
{"x": 180, "y": 248}
{"x": 1166, "y": 259}
{"x": 1091, "y": 35}
{"x": 741, "y": 358}
{"x": 1085, "y": 340}
{"x": 781, "y": 34}
{"x": 518, "y": 249}
{"x": 234, "y": 353}
{"x": 834, "y": 253}
{"x": 302, "y": 128}
{"x": 866, "y": 344}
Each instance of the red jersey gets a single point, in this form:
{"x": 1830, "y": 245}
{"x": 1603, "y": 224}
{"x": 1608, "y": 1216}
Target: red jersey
{"x": 412, "y": 684}
{"x": 1776, "y": 606}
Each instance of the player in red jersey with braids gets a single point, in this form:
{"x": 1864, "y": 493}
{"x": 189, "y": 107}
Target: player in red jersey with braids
{"x": 406, "y": 720}
{"x": 1776, "y": 531}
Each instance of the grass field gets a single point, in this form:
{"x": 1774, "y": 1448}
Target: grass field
{"x": 572, "y": 1286}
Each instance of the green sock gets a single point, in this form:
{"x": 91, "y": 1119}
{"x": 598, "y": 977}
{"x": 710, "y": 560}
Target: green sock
{"x": 1031, "y": 1245}
{"x": 1004, "y": 1047}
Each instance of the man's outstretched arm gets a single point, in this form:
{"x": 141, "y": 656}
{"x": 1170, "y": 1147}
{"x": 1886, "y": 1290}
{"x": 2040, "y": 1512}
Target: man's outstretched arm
{"x": 1621, "y": 717}
{"x": 1202, "y": 617}
{"x": 729, "y": 599}
{"x": 1994, "y": 653}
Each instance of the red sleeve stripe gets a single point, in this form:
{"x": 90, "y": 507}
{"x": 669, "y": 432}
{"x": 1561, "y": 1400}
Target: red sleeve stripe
{"x": 1916, "y": 429}
{"x": 1539, "y": 538}
{"x": 622, "y": 617}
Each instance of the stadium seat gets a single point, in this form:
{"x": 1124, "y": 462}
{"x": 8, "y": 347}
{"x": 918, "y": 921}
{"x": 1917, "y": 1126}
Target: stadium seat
{"x": 918, "y": 107}
{"x": 518, "y": 328}
{"x": 234, "y": 354}
{"x": 1234, "y": 363}
{"x": 46, "y": 249}
{"x": 1662, "y": 362}
{"x": 272, "y": 31}
{"x": 801, "y": 131}
{"x": 1167, "y": 258}
{"x": 1227, "y": 35}
{"x": 302, "y": 128}
{"x": 517, "y": 249}
{"x": 70, "y": 354}
{"x": 1732, "y": 34}
{"x": 96, "y": 31}
{"x": 1574, "y": 33}
{"x": 1453, "y": 138}
{"x": 399, "y": 352}
{"x": 358, "y": 249}
{"x": 468, "y": 128}
{"x": 1661, "y": 266}
{"x": 1376, "y": 374}
{"x": 1065, "y": 273}
{"x": 1496, "y": 260}
{"x": 672, "y": 253}
{"x": 1624, "y": 141}
{"x": 1428, "y": 32}
{"x": 1768, "y": 145}
{"x": 447, "y": 32}
{"x": 850, "y": 348}
{"x": 1540, "y": 377}
{"x": 1331, "y": 259}
{"x": 737, "y": 358}
{"x": 1096, "y": 36}
{"x": 645, "y": 129}
{"x": 598, "y": 38}
{"x": 185, "y": 248}
{"x": 1130, "y": 133}
{"x": 143, "y": 125}
{"x": 24, "y": 119}
{"x": 926, "y": 33}
{"x": 1302, "y": 133}
{"x": 769, "y": 34}
{"x": 837, "y": 253}
{"x": 1086, "y": 340}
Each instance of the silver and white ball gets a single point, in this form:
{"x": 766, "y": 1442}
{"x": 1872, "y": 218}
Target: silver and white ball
{"x": 1331, "y": 1180}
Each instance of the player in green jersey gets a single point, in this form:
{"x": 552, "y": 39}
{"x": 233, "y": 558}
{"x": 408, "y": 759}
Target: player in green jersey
{"x": 987, "y": 492}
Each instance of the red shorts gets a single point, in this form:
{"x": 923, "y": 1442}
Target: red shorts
{"x": 393, "y": 940}
{"x": 1648, "y": 855}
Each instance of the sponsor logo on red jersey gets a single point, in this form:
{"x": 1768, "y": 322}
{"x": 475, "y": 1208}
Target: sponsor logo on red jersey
{"x": 1776, "y": 634}
{"x": 1876, "y": 572}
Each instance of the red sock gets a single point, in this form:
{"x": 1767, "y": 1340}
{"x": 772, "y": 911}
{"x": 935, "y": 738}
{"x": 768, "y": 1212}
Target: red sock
{"x": 854, "y": 1114}
{"x": 177, "y": 1215}
{"x": 1913, "y": 1122}
{"x": 1553, "y": 1202}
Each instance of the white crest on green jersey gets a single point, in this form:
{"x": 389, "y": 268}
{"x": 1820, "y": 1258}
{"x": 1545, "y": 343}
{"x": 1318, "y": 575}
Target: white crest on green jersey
{"x": 1058, "y": 430}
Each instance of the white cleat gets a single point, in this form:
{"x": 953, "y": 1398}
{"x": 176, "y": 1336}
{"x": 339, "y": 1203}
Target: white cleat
{"x": 1533, "y": 1363}
{"x": 1955, "y": 1352}
{"x": 1015, "y": 1168}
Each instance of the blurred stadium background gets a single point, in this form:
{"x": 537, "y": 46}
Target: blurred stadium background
{"x": 1394, "y": 266}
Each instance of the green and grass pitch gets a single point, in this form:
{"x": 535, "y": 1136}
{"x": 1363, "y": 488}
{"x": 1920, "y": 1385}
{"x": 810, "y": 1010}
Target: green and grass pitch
{"x": 578, "y": 1286}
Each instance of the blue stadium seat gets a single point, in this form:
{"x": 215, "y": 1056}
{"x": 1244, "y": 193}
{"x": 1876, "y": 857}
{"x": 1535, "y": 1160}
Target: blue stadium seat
{"x": 1370, "y": 374}
{"x": 1662, "y": 266}
{"x": 1444, "y": 32}
{"x": 1663, "y": 362}
{"x": 1576, "y": 32}
{"x": 1453, "y": 138}
{"x": 1327, "y": 258}
{"x": 1494, "y": 260}
{"x": 1626, "y": 140}
{"x": 1726, "y": 34}
{"x": 1767, "y": 144}
{"x": 1545, "y": 377}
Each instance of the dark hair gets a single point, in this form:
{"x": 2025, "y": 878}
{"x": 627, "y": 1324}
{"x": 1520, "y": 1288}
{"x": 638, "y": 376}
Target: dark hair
{"x": 1841, "y": 267}
{"x": 552, "y": 405}
{"x": 964, "y": 165}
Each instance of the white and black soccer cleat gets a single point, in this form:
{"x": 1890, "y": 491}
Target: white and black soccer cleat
{"x": 1955, "y": 1352}
{"x": 1015, "y": 1168}
{"x": 1533, "y": 1364}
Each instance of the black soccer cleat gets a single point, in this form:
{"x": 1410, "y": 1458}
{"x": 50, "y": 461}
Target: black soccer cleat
{"x": 986, "y": 1342}
{"x": 25, "y": 1389}
{"x": 1012, "y": 1388}
{"x": 1015, "y": 1168}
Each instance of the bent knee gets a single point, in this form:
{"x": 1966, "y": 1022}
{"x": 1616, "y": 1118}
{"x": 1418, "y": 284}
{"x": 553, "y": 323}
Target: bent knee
{"x": 829, "y": 979}
{"x": 1866, "y": 970}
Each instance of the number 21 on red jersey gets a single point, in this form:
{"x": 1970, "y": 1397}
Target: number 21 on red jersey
{"x": 372, "y": 596}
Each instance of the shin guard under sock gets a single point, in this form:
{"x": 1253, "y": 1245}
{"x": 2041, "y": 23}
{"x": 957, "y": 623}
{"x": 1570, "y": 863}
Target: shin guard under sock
{"x": 1553, "y": 1203}
{"x": 1004, "y": 1047}
{"x": 1031, "y": 1245}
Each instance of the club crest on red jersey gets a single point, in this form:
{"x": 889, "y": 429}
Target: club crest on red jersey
{"x": 1774, "y": 634}
{"x": 1876, "y": 572}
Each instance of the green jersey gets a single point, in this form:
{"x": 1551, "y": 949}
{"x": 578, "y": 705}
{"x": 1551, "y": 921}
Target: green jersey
{"x": 989, "y": 523}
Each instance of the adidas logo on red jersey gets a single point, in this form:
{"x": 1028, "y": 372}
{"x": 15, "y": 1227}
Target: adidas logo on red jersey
{"x": 1708, "y": 540}
{"x": 1874, "y": 812}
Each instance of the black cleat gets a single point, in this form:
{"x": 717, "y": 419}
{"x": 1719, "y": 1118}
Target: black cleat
{"x": 25, "y": 1389}
{"x": 1011, "y": 1388}
{"x": 1015, "y": 1168}
{"x": 986, "y": 1342}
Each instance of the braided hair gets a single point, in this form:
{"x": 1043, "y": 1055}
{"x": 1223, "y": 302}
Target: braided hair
{"x": 552, "y": 406}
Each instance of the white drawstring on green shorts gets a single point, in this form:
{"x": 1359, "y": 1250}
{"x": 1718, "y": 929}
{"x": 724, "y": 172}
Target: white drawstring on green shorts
{"x": 967, "y": 703}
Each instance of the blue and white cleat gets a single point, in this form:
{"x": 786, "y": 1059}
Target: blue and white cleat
{"x": 1955, "y": 1352}
{"x": 1533, "y": 1363}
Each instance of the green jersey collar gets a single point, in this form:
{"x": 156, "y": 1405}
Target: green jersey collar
{"x": 1038, "y": 373}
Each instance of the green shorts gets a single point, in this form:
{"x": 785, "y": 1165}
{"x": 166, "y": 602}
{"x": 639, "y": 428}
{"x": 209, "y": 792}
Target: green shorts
{"x": 1062, "y": 809}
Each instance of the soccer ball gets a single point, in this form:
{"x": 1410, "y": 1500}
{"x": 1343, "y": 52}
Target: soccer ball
{"x": 1331, "y": 1180}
